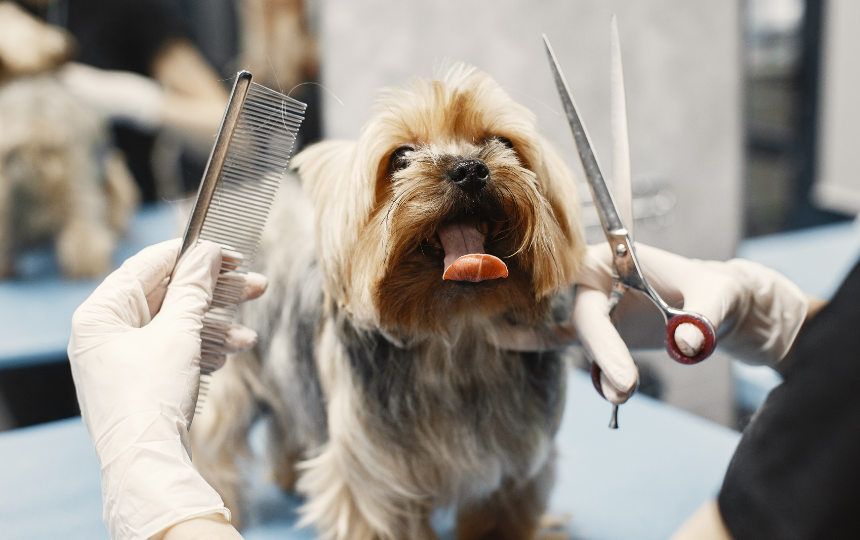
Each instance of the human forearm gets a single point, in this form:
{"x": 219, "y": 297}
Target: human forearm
{"x": 705, "y": 524}
{"x": 194, "y": 97}
{"x": 211, "y": 527}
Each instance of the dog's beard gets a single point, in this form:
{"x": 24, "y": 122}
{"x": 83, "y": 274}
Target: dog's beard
{"x": 504, "y": 218}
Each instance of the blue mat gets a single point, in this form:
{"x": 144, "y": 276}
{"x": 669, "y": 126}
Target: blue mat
{"x": 641, "y": 481}
{"x": 36, "y": 309}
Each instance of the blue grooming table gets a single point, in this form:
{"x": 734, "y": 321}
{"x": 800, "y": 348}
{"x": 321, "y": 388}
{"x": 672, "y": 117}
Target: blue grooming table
{"x": 640, "y": 481}
{"x": 36, "y": 309}
{"x": 817, "y": 260}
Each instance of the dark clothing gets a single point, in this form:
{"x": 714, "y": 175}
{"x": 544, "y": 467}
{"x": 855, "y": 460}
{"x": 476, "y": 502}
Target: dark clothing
{"x": 796, "y": 471}
{"x": 125, "y": 35}
{"x": 122, "y": 34}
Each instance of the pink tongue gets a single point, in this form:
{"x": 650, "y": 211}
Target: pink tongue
{"x": 465, "y": 259}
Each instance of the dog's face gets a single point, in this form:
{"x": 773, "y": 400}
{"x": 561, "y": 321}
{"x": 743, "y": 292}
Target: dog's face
{"x": 449, "y": 179}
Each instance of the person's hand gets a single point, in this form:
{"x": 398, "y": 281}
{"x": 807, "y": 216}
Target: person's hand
{"x": 756, "y": 312}
{"x": 117, "y": 95}
{"x": 135, "y": 352}
{"x": 28, "y": 45}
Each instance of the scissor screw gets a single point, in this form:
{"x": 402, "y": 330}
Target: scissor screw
{"x": 621, "y": 250}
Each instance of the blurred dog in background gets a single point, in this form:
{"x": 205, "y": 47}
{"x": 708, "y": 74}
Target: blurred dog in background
{"x": 380, "y": 366}
{"x": 60, "y": 180}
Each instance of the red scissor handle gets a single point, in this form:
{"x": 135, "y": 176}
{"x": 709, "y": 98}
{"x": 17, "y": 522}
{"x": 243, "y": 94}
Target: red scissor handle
{"x": 595, "y": 379}
{"x": 704, "y": 326}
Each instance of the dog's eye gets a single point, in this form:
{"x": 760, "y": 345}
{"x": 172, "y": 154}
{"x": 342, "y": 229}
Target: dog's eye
{"x": 398, "y": 158}
{"x": 505, "y": 141}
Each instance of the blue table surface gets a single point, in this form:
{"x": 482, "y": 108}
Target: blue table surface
{"x": 816, "y": 259}
{"x": 640, "y": 481}
{"x": 36, "y": 314}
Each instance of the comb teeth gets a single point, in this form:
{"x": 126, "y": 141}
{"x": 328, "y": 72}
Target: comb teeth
{"x": 260, "y": 140}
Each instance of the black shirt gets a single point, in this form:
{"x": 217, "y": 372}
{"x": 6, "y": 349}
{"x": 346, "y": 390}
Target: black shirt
{"x": 122, "y": 34}
{"x": 796, "y": 471}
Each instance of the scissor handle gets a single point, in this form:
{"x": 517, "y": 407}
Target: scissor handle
{"x": 595, "y": 379}
{"x": 704, "y": 326}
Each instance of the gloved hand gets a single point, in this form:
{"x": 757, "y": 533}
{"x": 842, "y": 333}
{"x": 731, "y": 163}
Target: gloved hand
{"x": 756, "y": 312}
{"x": 28, "y": 45}
{"x": 118, "y": 95}
{"x": 135, "y": 351}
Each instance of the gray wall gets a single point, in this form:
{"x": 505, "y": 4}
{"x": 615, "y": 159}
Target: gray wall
{"x": 682, "y": 67}
{"x": 838, "y": 183}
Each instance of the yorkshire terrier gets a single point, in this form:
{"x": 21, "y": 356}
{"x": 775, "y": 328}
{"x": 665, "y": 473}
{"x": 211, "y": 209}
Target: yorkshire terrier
{"x": 60, "y": 180}
{"x": 380, "y": 363}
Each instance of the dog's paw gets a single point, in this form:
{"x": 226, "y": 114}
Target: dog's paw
{"x": 84, "y": 251}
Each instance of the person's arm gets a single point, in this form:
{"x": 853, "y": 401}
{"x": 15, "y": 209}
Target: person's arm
{"x": 211, "y": 527}
{"x": 194, "y": 98}
{"x": 705, "y": 524}
{"x": 756, "y": 311}
{"x": 134, "y": 354}
{"x": 183, "y": 95}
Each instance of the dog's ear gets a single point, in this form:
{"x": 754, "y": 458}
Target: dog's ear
{"x": 324, "y": 165}
{"x": 558, "y": 185}
{"x": 338, "y": 191}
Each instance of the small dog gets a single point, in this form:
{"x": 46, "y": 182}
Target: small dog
{"x": 392, "y": 268}
{"x": 60, "y": 180}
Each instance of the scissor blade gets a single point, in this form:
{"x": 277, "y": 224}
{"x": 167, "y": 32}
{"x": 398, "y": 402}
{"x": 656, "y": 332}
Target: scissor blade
{"x": 621, "y": 183}
{"x": 606, "y": 209}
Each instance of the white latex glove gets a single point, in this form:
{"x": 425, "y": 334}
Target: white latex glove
{"x": 118, "y": 95}
{"x": 756, "y": 312}
{"x": 135, "y": 364}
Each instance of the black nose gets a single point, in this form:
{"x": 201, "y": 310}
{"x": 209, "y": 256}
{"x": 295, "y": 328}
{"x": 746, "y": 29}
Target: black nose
{"x": 470, "y": 175}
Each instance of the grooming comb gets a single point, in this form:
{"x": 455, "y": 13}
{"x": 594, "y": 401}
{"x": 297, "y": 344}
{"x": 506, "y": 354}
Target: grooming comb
{"x": 250, "y": 155}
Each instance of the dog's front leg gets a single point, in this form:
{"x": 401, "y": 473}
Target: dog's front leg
{"x": 84, "y": 249}
{"x": 353, "y": 505}
{"x": 512, "y": 513}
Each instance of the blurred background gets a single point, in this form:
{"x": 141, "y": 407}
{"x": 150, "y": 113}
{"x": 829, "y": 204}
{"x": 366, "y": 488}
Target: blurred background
{"x": 742, "y": 120}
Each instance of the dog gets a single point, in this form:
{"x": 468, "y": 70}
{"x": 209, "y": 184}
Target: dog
{"x": 60, "y": 180}
{"x": 393, "y": 262}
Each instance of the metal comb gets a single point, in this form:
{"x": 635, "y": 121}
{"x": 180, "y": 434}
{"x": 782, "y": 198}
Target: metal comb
{"x": 250, "y": 155}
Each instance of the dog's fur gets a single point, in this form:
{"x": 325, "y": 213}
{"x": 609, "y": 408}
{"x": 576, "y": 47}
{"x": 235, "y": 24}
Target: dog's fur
{"x": 385, "y": 393}
{"x": 60, "y": 180}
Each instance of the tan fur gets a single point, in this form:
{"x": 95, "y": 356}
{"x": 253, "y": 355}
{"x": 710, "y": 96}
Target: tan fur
{"x": 277, "y": 46}
{"x": 385, "y": 396}
{"x": 59, "y": 179}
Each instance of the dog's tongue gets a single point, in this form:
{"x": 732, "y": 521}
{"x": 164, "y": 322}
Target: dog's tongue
{"x": 465, "y": 259}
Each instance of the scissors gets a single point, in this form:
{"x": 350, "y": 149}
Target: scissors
{"x": 627, "y": 270}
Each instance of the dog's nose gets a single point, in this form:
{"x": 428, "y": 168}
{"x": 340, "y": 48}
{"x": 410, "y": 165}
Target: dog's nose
{"x": 470, "y": 175}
